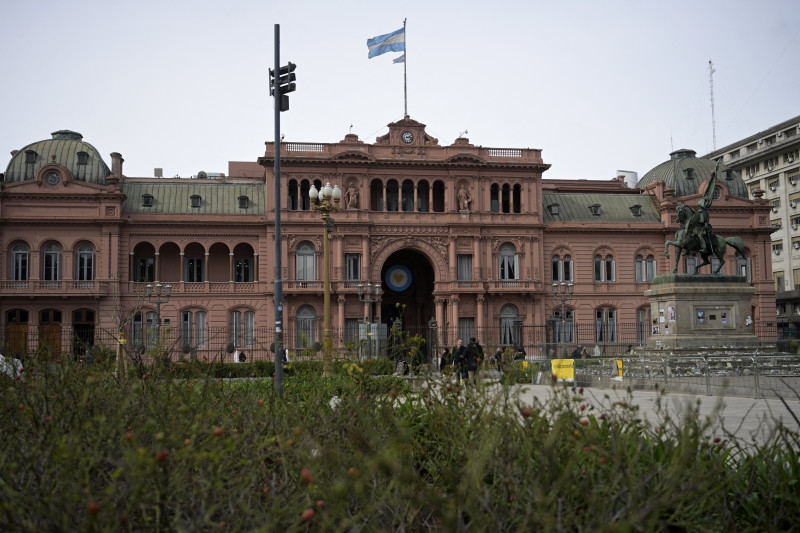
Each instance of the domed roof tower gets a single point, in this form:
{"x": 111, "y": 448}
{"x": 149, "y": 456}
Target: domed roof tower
{"x": 684, "y": 172}
{"x": 67, "y": 149}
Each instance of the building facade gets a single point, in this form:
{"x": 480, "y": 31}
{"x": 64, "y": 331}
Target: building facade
{"x": 769, "y": 163}
{"x": 473, "y": 240}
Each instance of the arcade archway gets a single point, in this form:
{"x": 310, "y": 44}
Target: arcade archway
{"x": 408, "y": 280}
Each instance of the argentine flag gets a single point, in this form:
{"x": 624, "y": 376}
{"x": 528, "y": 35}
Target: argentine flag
{"x": 391, "y": 42}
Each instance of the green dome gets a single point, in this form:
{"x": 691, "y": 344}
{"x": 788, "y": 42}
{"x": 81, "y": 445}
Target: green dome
{"x": 67, "y": 149}
{"x": 684, "y": 172}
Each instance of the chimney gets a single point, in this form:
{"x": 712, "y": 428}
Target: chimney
{"x": 116, "y": 169}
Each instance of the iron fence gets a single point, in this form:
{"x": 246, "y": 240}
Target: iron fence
{"x": 535, "y": 341}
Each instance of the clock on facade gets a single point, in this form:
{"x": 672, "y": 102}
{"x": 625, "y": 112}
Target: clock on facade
{"x": 53, "y": 178}
{"x": 407, "y": 137}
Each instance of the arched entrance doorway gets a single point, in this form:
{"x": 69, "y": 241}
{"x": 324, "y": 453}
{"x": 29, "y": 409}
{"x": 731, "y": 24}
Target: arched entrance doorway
{"x": 408, "y": 279}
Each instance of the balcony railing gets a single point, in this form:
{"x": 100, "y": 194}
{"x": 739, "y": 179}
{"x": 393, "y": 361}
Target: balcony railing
{"x": 59, "y": 287}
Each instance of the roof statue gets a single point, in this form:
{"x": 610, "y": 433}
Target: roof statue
{"x": 696, "y": 235}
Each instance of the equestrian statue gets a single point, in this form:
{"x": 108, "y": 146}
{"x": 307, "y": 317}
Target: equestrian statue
{"x": 696, "y": 235}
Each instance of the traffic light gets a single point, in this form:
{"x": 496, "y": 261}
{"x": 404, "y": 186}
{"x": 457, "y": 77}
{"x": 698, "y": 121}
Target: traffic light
{"x": 284, "y": 82}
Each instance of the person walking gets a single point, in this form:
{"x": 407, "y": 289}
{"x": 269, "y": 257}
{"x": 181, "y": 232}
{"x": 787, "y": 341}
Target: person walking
{"x": 473, "y": 357}
{"x": 459, "y": 359}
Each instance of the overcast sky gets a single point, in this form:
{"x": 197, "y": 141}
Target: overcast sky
{"x": 599, "y": 86}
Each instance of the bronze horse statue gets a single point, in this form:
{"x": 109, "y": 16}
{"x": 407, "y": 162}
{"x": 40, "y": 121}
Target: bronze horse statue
{"x": 693, "y": 229}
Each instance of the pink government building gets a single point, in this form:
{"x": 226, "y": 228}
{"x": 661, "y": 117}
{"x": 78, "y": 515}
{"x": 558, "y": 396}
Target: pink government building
{"x": 469, "y": 240}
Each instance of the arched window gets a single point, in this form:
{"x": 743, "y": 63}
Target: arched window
{"x": 291, "y": 199}
{"x": 392, "y": 196}
{"x": 423, "y": 191}
{"x": 604, "y": 268}
{"x": 562, "y": 268}
{"x": 605, "y": 325}
{"x": 19, "y": 262}
{"x": 84, "y": 263}
{"x": 51, "y": 262}
{"x": 509, "y": 262}
{"x": 510, "y": 325}
{"x": 305, "y": 262}
{"x": 376, "y": 195}
{"x": 506, "y": 207}
{"x": 408, "y": 195}
{"x": 305, "y": 327}
{"x": 494, "y": 198}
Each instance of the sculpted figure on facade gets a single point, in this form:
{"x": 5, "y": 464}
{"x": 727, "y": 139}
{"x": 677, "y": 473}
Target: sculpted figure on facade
{"x": 464, "y": 199}
{"x": 351, "y": 197}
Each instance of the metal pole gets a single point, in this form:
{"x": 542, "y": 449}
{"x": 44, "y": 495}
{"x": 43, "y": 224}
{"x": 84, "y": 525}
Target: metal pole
{"x": 327, "y": 343}
{"x": 279, "y": 329}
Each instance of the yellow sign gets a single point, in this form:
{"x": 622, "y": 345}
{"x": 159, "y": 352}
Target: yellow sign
{"x": 121, "y": 338}
{"x": 564, "y": 369}
{"x": 619, "y": 367}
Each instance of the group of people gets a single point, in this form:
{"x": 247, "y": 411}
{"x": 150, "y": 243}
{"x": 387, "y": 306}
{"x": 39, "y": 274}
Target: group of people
{"x": 464, "y": 359}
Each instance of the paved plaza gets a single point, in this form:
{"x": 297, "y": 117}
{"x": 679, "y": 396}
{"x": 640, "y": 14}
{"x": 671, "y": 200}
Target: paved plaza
{"x": 750, "y": 420}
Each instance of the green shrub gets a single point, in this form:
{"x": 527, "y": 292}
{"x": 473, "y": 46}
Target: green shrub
{"x": 180, "y": 448}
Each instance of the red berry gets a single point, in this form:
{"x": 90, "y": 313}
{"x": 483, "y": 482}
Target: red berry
{"x": 162, "y": 455}
{"x": 93, "y": 507}
{"x": 603, "y": 460}
{"x": 583, "y": 407}
{"x": 526, "y": 411}
{"x": 320, "y": 504}
{"x": 308, "y": 514}
{"x": 305, "y": 476}
{"x": 217, "y": 432}
{"x": 584, "y": 422}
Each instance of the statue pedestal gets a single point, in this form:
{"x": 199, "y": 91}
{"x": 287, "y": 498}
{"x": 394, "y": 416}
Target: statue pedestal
{"x": 694, "y": 311}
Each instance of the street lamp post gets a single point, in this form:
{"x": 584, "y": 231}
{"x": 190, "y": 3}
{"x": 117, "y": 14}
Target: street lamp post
{"x": 158, "y": 294}
{"x": 563, "y": 293}
{"x": 328, "y": 201}
{"x": 369, "y": 294}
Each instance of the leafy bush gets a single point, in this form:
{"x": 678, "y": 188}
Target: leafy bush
{"x": 180, "y": 448}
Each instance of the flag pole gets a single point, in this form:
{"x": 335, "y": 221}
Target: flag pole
{"x": 405, "y": 73}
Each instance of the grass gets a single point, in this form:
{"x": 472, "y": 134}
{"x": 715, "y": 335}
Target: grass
{"x": 180, "y": 448}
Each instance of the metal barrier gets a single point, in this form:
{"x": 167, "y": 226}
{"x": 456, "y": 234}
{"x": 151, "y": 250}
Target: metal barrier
{"x": 755, "y": 375}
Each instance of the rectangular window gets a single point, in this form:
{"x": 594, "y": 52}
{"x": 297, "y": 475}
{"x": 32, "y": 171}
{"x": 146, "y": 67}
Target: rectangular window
{"x": 642, "y": 321}
{"x": 351, "y": 331}
{"x": 352, "y": 266}
{"x": 249, "y": 329}
{"x": 194, "y": 269}
{"x": 186, "y": 331}
{"x": 464, "y": 267}
{"x": 779, "y": 279}
{"x": 796, "y": 278}
{"x": 563, "y": 330}
{"x": 236, "y": 328}
{"x": 466, "y": 329}
{"x": 606, "y": 325}
{"x": 691, "y": 264}
{"x": 200, "y": 329}
{"x": 243, "y": 269}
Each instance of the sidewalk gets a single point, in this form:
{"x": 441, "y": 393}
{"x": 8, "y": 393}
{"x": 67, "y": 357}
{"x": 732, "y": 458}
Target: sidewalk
{"x": 749, "y": 420}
